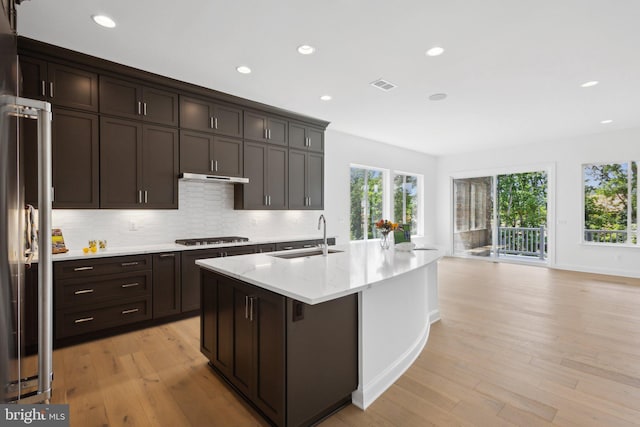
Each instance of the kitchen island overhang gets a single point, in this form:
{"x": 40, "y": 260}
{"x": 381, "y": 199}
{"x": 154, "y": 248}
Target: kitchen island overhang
{"x": 396, "y": 293}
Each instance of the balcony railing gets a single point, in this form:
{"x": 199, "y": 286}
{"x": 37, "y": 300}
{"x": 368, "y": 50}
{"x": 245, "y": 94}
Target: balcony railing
{"x": 522, "y": 241}
{"x": 610, "y": 236}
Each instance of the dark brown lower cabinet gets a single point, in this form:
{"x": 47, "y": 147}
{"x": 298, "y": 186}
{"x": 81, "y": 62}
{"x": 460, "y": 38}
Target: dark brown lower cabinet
{"x": 295, "y": 363}
{"x": 191, "y": 272}
{"x": 166, "y": 284}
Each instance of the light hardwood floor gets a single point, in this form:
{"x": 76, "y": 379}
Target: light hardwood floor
{"x": 517, "y": 345}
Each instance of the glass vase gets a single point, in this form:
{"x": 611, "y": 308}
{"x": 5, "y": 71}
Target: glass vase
{"x": 385, "y": 240}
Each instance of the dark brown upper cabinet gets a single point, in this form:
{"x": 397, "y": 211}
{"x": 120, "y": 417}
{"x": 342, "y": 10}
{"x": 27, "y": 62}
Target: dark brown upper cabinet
{"x": 135, "y": 101}
{"x": 58, "y": 84}
{"x": 263, "y": 128}
{"x": 305, "y": 137}
{"x": 74, "y": 159}
{"x": 210, "y": 154}
{"x": 138, "y": 165}
{"x": 266, "y": 166}
{"x": 201, "y": 115}
{"x": 306, "y": 180}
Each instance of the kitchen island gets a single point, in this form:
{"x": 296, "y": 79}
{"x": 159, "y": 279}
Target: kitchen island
{"x": 384, "y": 300}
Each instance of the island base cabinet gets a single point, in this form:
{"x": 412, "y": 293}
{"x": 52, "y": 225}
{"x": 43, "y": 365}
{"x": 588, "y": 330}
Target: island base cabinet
{"x": 295, "y": 363}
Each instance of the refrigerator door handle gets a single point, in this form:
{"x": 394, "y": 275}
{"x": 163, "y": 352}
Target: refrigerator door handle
{"x": 41, "y": 111}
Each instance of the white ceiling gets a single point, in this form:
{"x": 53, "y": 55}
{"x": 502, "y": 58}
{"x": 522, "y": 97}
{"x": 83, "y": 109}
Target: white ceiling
{"x": 512, "y": 69}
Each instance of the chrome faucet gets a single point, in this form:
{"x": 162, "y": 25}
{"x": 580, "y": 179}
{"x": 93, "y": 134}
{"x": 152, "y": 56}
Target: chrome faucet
{"x": 325, "y": 247}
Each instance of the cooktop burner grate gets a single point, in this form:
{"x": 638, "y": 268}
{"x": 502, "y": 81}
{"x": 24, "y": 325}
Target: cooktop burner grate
{"x": 211, "y": 240}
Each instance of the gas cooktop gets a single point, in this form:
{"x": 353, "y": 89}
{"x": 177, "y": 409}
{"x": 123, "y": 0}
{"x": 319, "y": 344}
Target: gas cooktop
{"x": 211, "y": 240}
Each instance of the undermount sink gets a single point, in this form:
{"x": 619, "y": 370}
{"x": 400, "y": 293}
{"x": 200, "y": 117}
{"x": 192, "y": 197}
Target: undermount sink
{"x": 304, "y": 254}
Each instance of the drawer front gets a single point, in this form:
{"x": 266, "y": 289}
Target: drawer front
{"x": 285, "y": 246}
{"x": 69, "y": 323}
{"x": 98, "y": 266}
{"x": 91, "y": 290}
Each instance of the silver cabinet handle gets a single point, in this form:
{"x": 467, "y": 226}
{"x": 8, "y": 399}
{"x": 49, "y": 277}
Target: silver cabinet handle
{"x": 139, "y": 196}
{"x": 246, "y": 306}
{"x": 215, "y": 166}
{"x": 212, "y": 166}
{"x": 130, "y": 285}
{"x": 167, "y": 255}
{"x": 146, "y": 198}
{"x": 144, "y": 108}
{"x": 83, "y": 291}
{"x": 269, "y": 200}
{"x": 82, "y": 268}
{"x": 211, "y": 122}
{"x": 251, "y": 308}
{"x": 139, "y": 108}
{"x": 53, "y": 194}
{"x": 51, "y": 89}
{"x": 132, "y": 310}
{"x": 44, "y": 88}
{"x": 129, "y": 264}
{"x": 215, "y": 123}
{"x": 308, "y": 246}
{"x": 309, "y": 141}
{"x": 83, "y": 320}
{"x": 265, "y": 134}
{"x": 286, "y": 248}
{"x": 266, "y": 201}
{"x": 269, "y": 133}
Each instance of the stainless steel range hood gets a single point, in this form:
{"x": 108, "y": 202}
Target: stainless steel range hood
{"x": 213, "y": 178}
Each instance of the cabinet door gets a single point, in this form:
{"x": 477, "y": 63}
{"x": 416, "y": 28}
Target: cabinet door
{"x": 190, "y": 282}
{"x": 160, "y": 167}
{"x": 195, "y": 114}
{"x": 297, "y": 179}
{"x": 269, "y": 353}
{"x": 227, "y": 156}
{"x": 208, "y": 314}
{"x": 277, "y": 131}
{"x": 243, "y": 327}
{"x": 120, "y": 98}
{"x": 166, "y": 284}
{"x": 75, "y": 159}
{"x": 227, "y": 120}
{"x": 315, "y": 180}
{"x": 253, "y": 193}
{"x": 277, "y": 177}
{"x": 316, "y": 139}
{"x": 33, "y": 78}
{"x": 72, "y": 87}
{"x": 159, "y": 106}
{"x": 297, "y": 136}
{"x": 196, "y": 152}
{"x": 120, "y": 155}
{"x": 255, "y": 126}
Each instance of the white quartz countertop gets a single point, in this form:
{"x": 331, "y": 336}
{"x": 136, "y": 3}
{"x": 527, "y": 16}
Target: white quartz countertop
{"x": 74, "y": 254}
{"x": 317, "y": 279}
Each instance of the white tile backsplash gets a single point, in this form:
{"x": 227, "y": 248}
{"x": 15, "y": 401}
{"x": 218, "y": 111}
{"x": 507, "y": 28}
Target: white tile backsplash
{"x": 205, "y": 210}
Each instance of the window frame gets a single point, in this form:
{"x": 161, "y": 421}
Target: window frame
{"x": 385, "y": 204}
{"x": 630, "y": 231}
{"x": 419, "y": 231}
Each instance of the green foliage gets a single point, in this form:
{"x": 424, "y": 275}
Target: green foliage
{"x": 522, "y": 199}
{"x": 406, "y": 190}
{"x": 365, "y": 198}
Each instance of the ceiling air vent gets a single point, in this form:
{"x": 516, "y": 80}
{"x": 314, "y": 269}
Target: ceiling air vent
{"x": 383, "y": 85}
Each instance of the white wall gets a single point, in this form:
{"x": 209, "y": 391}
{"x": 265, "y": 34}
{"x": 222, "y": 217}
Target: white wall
{"x": 566, "y": 158}
{"x": 206, "y": 210}
{"x": 343, "y": 149}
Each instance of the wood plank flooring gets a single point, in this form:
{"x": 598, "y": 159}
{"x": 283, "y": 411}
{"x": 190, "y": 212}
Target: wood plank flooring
{"x": 517, "y": 345}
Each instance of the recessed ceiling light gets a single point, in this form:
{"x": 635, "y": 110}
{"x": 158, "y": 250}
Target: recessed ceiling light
{"x": 437, "y": 97}
{"x": 305, "y": 49}
{"x": 326, "y": 97}
{"x": 243, "y": 69}
{"x": 435, "y": 51}
{"x": 103, "y": 21}
{"x": 606, "y": 122}
{"x": 590, "y": 83}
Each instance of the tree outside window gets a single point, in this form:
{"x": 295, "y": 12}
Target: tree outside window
{"x": 611, "y": 202}
{"x": 367, "y": 195}
{"x": 405, "y": 201}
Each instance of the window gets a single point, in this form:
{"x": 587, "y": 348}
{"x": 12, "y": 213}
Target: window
{"x": 611, "y": 203}
{"x": 367, "y": 196}
{"x": 405, "y": 201}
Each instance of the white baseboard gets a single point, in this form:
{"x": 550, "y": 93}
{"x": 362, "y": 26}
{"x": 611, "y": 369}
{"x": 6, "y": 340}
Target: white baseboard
{"x": 607, "y": 271}
{"x": 365, "y": 396}
{"x": 434, "y": 316}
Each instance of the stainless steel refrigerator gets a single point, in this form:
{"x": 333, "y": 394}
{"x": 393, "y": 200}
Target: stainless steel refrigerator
{"x": 24, "y": 379}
